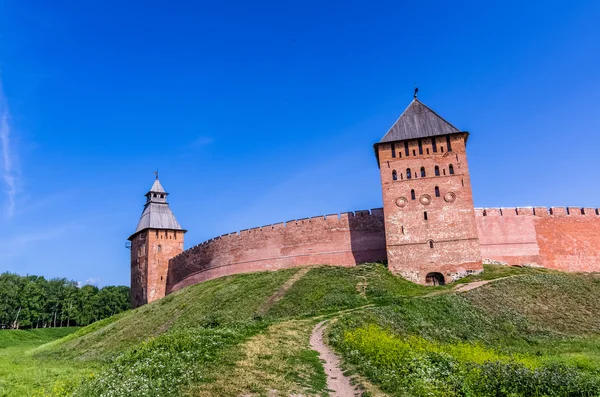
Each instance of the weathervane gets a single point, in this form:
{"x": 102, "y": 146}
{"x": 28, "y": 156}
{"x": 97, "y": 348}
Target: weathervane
{"x": 156, "y": 173}
{"x": 416, "y": 90}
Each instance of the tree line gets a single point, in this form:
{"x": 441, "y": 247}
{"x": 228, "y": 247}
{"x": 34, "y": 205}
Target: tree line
{"x": 35, "y": 302}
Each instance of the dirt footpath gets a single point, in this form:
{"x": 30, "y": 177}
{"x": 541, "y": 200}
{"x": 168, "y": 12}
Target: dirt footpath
{"x": 337, "y": 382}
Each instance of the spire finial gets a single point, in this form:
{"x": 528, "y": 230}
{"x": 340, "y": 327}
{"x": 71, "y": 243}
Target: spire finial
{"x": 156, "y": 174}
{"x": 416, "y": 90}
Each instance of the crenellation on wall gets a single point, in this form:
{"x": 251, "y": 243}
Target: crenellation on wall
{"x": 508, "y": 211}
{"x": 332, "y": 217}
{"x": 589, "y": 212}
{"x": 537, "y": 211}
{"x": 377, "y": 212}
{"x": 574, "y": 211}
{"x": 346, "y": 215}
{"x": 525, "y": 211}
{"x": 493, "y": 211}
{"x": 343, "y": 239}
{"x": 541, "y": 211}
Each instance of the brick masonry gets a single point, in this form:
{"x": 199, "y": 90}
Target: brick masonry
{"x": 566, "y": 239}
{"x": 429, "y": 216}
{"x": 549, "y": 237}
{"x": 346, "y": 239}
{"x": 151, "y": 251}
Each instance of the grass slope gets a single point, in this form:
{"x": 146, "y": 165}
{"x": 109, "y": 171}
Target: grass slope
{"x": 532, "y": 335}
{"x": 23, "y": 375}
{"x": 222, "y": 338}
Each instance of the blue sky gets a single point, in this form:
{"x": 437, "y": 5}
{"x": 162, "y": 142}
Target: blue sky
{"x": 260, "y": 112}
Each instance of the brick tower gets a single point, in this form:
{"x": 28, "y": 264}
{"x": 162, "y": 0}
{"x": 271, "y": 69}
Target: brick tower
{"x": 157, "y": 238}
{"x": 431, "y": 234}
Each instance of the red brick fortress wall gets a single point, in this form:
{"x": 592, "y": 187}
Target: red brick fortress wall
{"x": 346, "y": 239}
{"x": 566, "y": 239}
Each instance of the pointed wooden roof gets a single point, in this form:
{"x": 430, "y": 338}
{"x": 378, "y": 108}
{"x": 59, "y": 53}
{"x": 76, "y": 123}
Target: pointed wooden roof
{"x": 157, "y": 214}
{"x": 418, "y": 121}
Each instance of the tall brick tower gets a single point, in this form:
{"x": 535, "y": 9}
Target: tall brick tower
{"x": 157, "y": 238}
{"x": 431, "y": 235}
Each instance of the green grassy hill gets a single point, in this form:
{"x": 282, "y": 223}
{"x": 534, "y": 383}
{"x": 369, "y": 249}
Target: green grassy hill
{"x": 248, "y": 335}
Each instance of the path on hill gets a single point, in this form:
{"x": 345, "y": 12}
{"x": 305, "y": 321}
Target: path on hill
{"x": 282, "y": 290}
{"x": 476, "y": 284}
{"x": 337, "y": 382}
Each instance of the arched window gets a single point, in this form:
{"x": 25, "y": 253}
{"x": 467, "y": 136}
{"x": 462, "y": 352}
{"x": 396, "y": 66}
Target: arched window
{"x": 408, "y": 175}
{"x": 437, "y": 170}
{"x": 448, "y": 143}
{"x": 393, "y": 150}
{"x": 412, "y": 194}
{"x": 433, "y": 145}
{"x": 451, "y": 169}
{"x": 420, "y": 143}
{"x": 394, "y": 175}
{"x": 159, "y": 248}
{"x": 406, "y": 148}
{"x": 437, "y": 191}
{"x": 422, "y": 172}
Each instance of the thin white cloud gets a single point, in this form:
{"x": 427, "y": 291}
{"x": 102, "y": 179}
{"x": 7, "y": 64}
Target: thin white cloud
{"x": 9, "y": 174}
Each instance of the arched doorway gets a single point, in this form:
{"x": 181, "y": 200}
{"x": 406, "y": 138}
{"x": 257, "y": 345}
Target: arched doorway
{"x": 434, "y": 278}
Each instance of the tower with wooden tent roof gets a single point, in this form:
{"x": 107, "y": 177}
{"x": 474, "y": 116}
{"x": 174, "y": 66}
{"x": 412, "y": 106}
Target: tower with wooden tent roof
{"x": 431, "y": 234}
{"x": 157, "y": 238}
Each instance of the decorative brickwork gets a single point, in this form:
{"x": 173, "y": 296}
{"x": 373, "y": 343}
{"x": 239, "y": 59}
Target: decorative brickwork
{"x": 429, "y": 217}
